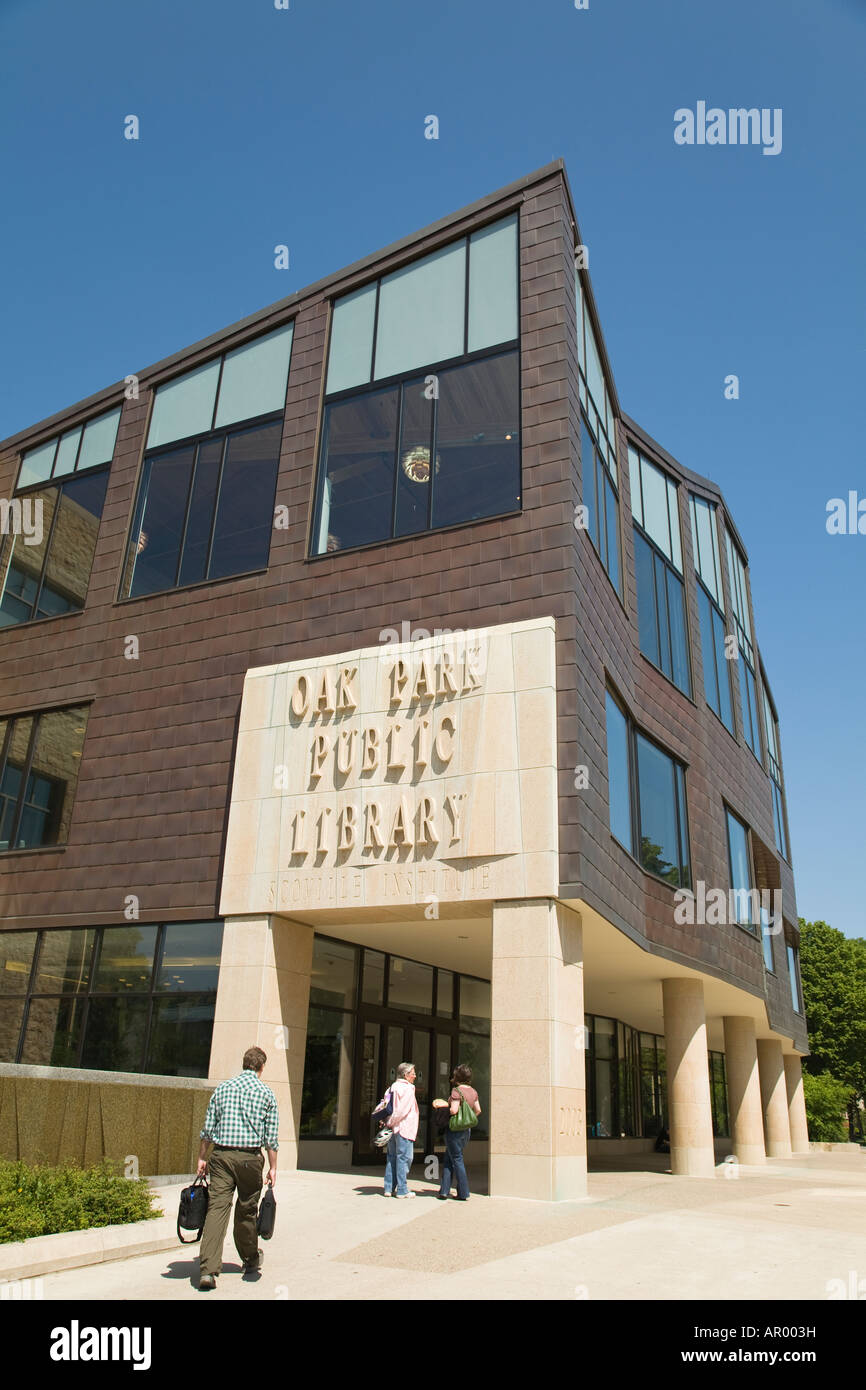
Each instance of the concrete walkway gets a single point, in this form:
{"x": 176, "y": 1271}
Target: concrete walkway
{"x": 783, "y": 1231}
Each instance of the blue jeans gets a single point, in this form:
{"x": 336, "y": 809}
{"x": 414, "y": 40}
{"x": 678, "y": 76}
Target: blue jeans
{"x": 453, "y": 1167}
{"x": 398, "y": 1157}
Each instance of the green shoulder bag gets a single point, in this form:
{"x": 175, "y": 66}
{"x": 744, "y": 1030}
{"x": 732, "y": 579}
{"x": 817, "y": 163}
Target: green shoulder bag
{"x": 465, "y": 1117}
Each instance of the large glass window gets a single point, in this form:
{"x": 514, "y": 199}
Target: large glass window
{"x": 658, "y": 569}
{"x": 647, "y": 791}
{"x": 204, "y": 511}
{"x": 717, "y": 676}
{"x": 601, "y": 500}
{"x": 241, "y": 385}
{"x": 436, "y": 447}
{"x": 147, "y": 1004}
{"x": 410, "y": 986}
{"x": 719, "y": 1094}
{"x": 595, "y": 398}
{"x": 87, "y": 446}
{"x": 618, "y": 781}
{"x": 794, "y": 977}
{"x": 744, "y": 899}
{"x": 774, "y": 755}
{"x": 40, "y": 757}
{"x": 745, "y": 647}
{"x": 664, "y": 847}
{"x": 45, "y": 568}
{"x": 327, "y": 1093}
{"x": 597, "y": 443}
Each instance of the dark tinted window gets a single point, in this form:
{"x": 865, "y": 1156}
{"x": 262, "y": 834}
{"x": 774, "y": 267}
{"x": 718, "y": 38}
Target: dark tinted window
{"x": 477, "y": 448}
{"x": 662, "y": 813}
{"x": 358, "y": 462}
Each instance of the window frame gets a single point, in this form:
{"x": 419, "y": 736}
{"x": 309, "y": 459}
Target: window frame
{"x": 74, "y": 472}
{"x": 680, "y": 802}
{"x": 399, "y": 381}
{"x": 738, "y": 582}
{"x": 658, "y": 554}
{"x": 754, "y": 929}
{"x": 774, "y": 768}
{"x": 792, "y": 955}
{"x": 137, "y": 514}
{"x": 7, "y": 548}
{"x": 607, "y": 479}
{"x": 714, "y": 608}
{"x": 26, "y": 768}
{"x": 151, "y": 991}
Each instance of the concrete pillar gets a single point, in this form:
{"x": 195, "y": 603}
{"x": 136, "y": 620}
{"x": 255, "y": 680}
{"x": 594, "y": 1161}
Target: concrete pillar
{"x": 262, "y": 1000}
{"x": 774, "y": 1098}
{"x": 796, "y": 1103}
{"x": 744, "y": 1090}
{"x": 537, "y": 1053}
{"x": 691, "y": 1115}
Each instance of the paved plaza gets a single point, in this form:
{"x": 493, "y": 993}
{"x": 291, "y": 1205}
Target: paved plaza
{"x": 785, "y": 1231}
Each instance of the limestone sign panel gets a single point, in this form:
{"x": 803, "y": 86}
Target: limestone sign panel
{"x": 403, "y": 775}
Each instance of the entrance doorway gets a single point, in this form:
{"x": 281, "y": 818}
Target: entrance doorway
{"x": 387, "y": 1038}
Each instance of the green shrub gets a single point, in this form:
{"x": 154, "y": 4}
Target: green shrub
{"x": 826, "y": 1099}
{"x": 37, "y": 1200}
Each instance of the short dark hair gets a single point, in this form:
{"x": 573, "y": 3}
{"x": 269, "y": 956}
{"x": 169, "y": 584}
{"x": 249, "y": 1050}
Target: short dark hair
{"x": 462, "y": 1075}
{"x": 254, "y": 1059}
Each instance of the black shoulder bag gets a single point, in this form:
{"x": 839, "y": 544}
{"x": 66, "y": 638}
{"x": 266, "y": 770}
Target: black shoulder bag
{"x": 193, "y": 1210}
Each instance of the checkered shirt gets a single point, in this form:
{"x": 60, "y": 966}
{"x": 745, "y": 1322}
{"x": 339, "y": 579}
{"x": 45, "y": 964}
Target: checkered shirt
{"x": 242, "y": 1114}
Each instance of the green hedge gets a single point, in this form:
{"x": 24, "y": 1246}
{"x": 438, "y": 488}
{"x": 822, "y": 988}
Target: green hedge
{"x": 826, "y": 1099}
{"x": 36, "y": 1200}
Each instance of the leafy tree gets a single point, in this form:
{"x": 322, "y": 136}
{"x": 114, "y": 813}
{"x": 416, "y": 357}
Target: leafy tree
{"x": 826, "y": 1099}
{"x": 833, "y": 970}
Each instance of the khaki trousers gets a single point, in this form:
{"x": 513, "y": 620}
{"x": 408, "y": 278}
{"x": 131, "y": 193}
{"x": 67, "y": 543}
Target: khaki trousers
{"x": 231, "y": 1170}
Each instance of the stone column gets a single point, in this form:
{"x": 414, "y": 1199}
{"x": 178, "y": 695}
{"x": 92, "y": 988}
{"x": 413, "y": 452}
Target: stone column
{"x": 796, "y": 1103}
{"x": 262, "y": 1000}
{"x": 774, "y": 1098}
{"x": 537, "y": 1053}
{"x": 744, "y": 1090}
{"x": 691, "y": 1116}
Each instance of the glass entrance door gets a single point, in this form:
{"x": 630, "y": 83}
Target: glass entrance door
{"x": 384, "y": 1045}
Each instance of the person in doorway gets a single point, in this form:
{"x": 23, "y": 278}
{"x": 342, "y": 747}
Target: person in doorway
{"x": 453, "y": 1165}
{"x": 242, "y": 1119}
{"x": 403, "y": 1123}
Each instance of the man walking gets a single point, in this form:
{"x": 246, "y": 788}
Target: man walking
{"x": 403, "y": 1123}
{"x": 242, "y": 1118}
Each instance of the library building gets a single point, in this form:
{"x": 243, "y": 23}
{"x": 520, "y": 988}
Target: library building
{"x": 366, "y": 694}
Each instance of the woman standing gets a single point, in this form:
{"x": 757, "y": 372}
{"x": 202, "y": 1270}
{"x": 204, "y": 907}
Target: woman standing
{"x": 453, "y": 1166}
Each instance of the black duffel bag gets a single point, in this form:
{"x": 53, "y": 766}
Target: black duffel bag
{"x": 193, "y": 1209}
{"x": 267, "y": 1214}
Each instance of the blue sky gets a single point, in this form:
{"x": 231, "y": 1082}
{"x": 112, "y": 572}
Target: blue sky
{"x": 305, "y": 127}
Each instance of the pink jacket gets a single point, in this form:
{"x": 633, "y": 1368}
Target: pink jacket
{"x": 404, "y": 1117}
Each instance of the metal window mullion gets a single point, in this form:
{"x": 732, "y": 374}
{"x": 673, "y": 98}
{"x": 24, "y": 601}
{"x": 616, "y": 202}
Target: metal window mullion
{"x": 28, "y": 761}
{"x": 187, "y": 509}
{"x": 54, "y": 455}
{"x": 375, "y": 341}
{"x": 635, "y": 789}
{"x": 216, "y": 503}
{"x": 41, "y": 582}
{"x": 398, "y": 448}
{"x": 434, "y": 438}
{"x": 466, "y": 299}
{"x": 676, "y": 786}
{"x": 217, "y": 391}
